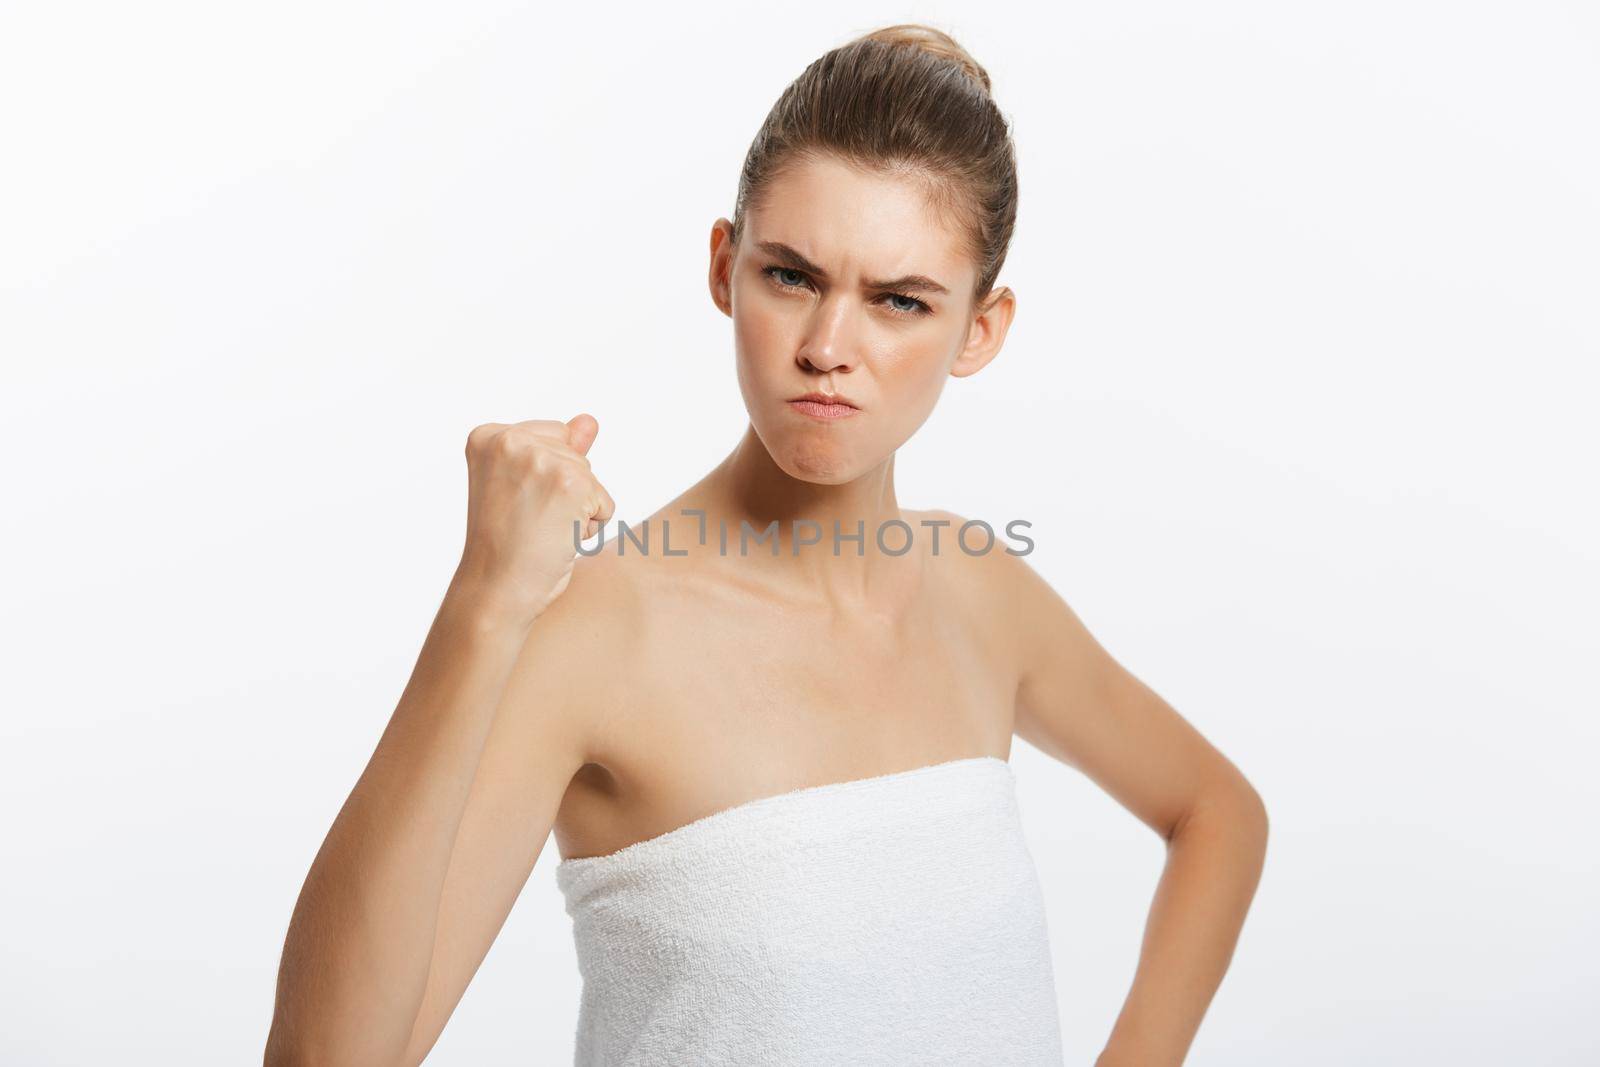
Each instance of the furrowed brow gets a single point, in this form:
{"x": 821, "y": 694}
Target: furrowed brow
{"x": 789, "y": 257}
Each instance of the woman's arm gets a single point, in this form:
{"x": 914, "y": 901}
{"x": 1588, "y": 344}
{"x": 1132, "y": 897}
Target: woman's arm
{"x": 1214, "y": 861}
{"x": 356, "y": 960}
{"x": 360, "y": 950}
{"x": 1076, "y": 703}
{"x": 557, "y": 701}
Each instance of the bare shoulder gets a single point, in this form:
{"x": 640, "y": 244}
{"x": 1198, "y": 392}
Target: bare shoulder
{"x": 566, "y": 671}
{"x": 984, "y": 568}
{"x": 1059, "y": 666}
{"x": 1040, "y": 625}
{"x": 988, "y": 561}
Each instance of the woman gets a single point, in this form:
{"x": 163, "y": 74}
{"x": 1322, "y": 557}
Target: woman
{"x": 776, "y": 773}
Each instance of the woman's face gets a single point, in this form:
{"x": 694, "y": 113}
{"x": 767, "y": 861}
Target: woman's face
{"x": 848, "y": 283}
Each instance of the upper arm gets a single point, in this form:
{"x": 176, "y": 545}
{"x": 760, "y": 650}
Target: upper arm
{"x": 1078, "y": 704}
{"x": 541, "y": 736}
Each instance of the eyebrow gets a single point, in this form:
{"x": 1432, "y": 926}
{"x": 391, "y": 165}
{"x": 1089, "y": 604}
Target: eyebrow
{"x": 791, "y": 258}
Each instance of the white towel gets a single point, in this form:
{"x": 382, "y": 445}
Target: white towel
{"x": 889, "y": 920}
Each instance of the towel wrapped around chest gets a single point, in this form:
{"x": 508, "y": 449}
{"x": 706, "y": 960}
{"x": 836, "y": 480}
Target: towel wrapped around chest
{"x": 889, "y": 920}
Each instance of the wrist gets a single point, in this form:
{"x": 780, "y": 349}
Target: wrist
{"x": 484, "y": 608}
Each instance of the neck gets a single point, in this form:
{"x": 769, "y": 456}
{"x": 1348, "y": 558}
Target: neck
{"x": 749, "y": 487}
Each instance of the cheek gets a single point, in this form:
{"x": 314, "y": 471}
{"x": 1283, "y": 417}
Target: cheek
{"x": 914, "y": 370}
{"x": 760, "y": 334}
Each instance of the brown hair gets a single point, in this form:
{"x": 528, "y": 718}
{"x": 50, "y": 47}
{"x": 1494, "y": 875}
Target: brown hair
{"x": 905, "y": 99}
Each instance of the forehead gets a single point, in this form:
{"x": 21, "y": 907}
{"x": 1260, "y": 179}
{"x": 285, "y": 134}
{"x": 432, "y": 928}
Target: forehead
{"x": 849, "y": 220}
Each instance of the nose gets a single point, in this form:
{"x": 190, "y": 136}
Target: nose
{"x": 830, "y": 341}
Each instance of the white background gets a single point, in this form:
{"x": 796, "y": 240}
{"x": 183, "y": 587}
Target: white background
{"x": 1299, "y": 398}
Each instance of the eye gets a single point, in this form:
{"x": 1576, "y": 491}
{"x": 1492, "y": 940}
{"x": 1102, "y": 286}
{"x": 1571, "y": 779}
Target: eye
{"x": 917, "y": 307}
{"x": 774, "y": 272}
{"x": 911, "y": 306}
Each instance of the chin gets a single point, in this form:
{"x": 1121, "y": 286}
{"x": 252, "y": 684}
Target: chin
{"x": 821, "y": 462}
{"x": 825, "y": 471}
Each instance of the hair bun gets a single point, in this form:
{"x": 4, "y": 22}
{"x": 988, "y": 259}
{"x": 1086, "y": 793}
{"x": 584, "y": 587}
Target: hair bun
{"x": 900, "y": 100}
{"x": 934, "y": 42}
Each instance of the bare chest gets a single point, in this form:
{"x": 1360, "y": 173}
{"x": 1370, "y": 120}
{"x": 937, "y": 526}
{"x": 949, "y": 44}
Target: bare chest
{"x": 719, "y": 707}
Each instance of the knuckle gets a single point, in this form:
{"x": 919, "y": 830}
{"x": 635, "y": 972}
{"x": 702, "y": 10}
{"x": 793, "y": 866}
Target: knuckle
{"x": 569, "y": 479}
{"x": 541, "y": 461}
{"x": 510, "y": 444}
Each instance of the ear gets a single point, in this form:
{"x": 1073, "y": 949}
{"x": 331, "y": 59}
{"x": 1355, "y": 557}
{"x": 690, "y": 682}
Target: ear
{"x": 987, "y": 333}
{"x": 721, "y": 272}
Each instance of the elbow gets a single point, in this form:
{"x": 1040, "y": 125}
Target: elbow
{"x": 1236, "y": 807}
{"x": 1254, "y": 815}
{"x": 1244, "y": 804}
